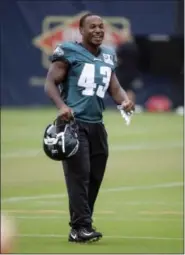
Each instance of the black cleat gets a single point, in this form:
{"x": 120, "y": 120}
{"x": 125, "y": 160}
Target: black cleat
{"x": 73, "y": 236}
{"x": 84, "y": 235}
{"x": 89, "y": 235}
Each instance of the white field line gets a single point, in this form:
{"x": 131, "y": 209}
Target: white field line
{"x": 50, "y": 202}
{"x": 108, "y": 237}
{"x": 22, "y": 199}
{"x": 131, "y": 203}
{"x": 117, "y": 189}
{"x": 135, "y": 203}
{"x": 113, "y": 148}
{"x": 147, "y": 187}
{"x": 104, "y": 218}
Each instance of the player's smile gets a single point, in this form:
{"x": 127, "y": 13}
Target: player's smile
{"x": 98, "y": 37}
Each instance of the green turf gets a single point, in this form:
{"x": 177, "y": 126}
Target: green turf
{"x": 143, "y": 213}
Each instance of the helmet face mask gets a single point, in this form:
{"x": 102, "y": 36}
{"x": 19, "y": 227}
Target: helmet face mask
{"x": 60, "y": 142}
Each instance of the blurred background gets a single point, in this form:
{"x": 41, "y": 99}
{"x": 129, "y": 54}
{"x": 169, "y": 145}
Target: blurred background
{"x": 140, "y": 205}
{"x": 148, "y": 36}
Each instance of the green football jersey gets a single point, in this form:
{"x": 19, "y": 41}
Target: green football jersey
{"x": 87, "y": 79}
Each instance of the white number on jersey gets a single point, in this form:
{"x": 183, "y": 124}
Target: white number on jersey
{"x": 87, "y": 80}
{"x": 106, "y": 71}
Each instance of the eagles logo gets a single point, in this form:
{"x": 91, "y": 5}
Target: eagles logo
{"x": 58, "y": 51}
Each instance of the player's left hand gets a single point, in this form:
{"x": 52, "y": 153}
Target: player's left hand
{"x": 128, "y": 106}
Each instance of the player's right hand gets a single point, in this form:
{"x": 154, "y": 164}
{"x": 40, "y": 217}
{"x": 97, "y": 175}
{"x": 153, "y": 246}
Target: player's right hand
{"x": 128, "y": 106}
{"x": 66, "y": 113}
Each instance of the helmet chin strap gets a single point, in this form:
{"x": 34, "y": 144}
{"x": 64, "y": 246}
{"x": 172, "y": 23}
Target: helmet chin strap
{"x": 61, "y": 134}
{"x": 63, "y": 142}
{"x": 74, "y": 150}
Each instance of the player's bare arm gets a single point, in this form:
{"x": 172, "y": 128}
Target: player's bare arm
{"x": 119, "y": 95}
{"x": 56, "y": 74}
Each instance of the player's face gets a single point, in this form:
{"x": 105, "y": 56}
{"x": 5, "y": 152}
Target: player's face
{"x": 93, "y": 30}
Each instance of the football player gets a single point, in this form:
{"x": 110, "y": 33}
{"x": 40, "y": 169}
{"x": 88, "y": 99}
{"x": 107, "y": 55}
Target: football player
{"x": 78, "y": 78}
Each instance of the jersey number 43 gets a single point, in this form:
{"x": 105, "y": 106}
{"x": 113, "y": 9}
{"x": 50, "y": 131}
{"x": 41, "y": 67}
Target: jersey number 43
{"x": 87, "y": 80}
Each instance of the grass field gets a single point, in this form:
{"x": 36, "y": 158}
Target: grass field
{"x": 140, "y": 206}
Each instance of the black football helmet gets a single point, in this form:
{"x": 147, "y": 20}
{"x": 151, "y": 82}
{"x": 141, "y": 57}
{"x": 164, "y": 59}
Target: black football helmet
{"x": 60, "y": 141}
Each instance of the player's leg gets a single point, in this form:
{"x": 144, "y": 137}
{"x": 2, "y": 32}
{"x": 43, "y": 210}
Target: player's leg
{"x": 69, "y": 205}
{"x": 76, "y": 170}
{"x": 98, "y": 160}
{"x": 98, "y": 165}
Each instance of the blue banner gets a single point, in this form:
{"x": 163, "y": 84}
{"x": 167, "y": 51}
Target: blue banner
{"x": 30, "y": 31}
